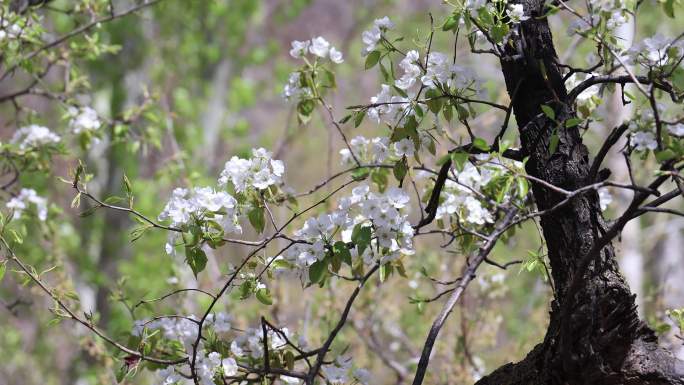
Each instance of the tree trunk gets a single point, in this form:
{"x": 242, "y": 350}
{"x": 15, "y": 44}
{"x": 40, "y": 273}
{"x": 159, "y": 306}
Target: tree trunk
{"x": 595, "y": 335}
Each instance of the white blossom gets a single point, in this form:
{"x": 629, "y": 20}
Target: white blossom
{"x": 371, "y": 37}
{"x": 411, "y": 70}
{"x": 404, "y": 147}
{"x": 677, "y": 129}
{"x": 299, "y": 48}
{"x": 84, "y": 119}
{"x": 260, "y": 171}
{"x": 516, "y": 13}
{"x": 336, "y": 56}
{"x": 605, "y": 198}
{"x": 34, "y": 136}
{"x": 643, "y": 140}
{"x": 319, "y": 47}
{"x": 229, "y": 367}
{"x": 24, "y": 200}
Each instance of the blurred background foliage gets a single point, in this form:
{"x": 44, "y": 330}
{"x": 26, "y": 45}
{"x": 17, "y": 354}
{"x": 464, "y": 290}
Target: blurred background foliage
{"x": 207, "y": 77}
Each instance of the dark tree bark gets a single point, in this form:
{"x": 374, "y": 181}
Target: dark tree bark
{"x": 595, "y": 335}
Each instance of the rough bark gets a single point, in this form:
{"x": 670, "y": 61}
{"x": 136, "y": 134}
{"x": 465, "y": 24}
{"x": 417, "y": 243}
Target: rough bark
{"x": 595, "y": 335}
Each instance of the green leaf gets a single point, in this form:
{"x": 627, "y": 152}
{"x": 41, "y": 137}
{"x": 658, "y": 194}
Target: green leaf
{"x": 358, "y": 118}
{"x": 257, "y": 219}
{"x": 400, "y": 169}
{"x": 196, "y": 258}
{"x": 360, "y": 174}
{"x": 342, "y": 252}
{"x": 3, "y": 269}
{"x": 448, "y": 112}
{"x": 289, "y": 359}
{"x": 306, "y": 107}
{"x": 385, "y": 272}
{"x": 499, "y": 31}
{"x": 481, "y": 144}
{"x": 662, "y": 156}
{"x": 379, "y": 177}
{"x": 553, "y": 142}
{"x": 548, "y": 111}
{"x": 523, "y": 187}
{"x": 572, "y": 122}
{"x": 345, "y": 119}
{"x": 459, "y": 159}
{"x": 328, "y": 79}
{"x": 450, "y": 23}
{"x": 372, "y": 59}
{"x": 361, "y": 236}
{"x": 317, "y": 271}
{"x": 246, "y": 288}
{"x": 264, "y": 296}
{"x": 668, "y": 7}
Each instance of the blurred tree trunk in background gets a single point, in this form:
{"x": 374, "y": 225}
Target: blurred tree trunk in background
{"x": 632, "y": 259}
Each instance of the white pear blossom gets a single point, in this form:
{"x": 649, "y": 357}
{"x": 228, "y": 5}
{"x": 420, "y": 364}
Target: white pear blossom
{"x": 385, "y": 212}
{"x": 677, "y": 129}
{"x": 229, "y": 367}
{"x": 336, "y": 56}
{"x": 34, "y": 136}
{"x": 411, "y": 70}
{"x": 299, "y": 48}
{"x": 516, "y": 13}
{"x": 404, "y": 147}
{"x": 24, "y": 200}
{"x": 319, "y": 47}
{"x": 260, "y": 171}
{"x": 168, "y": 376}
{"x": 655, "y": 51}
{"x": 84, "y": 119}
{"x": 371, "y": 37}
{"x": 643, "y": 140}
{"x": 290, "y": 380}
{"x": 605, "y": 198}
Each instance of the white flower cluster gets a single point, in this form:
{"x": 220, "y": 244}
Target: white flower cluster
{"x": 185, "y": 331}
{"x": 261, "y": 171}
{"x": 251, "y": 342}
{"x": 340, "y": 372}
{"x": 185, "y": 206}
{"x": 317, "y": 46}
{"x": 516, "y": 13}
{"x": 294, "y": 89}
{"x": 461, "y": 196}
{"x": 207, "y": 366}
{"x": 588, "y": 100}
{"x": 643, "y": 141}
{"x": 656, "y": 50}
{"x": 384, "y": 213}
{"x": 389, "y": 109}
{"x": 9, "y": 31}
{"x": 473, "y": 6}
{"x": 26, "y": 198}
{"x": 321, "y": 49}
{"x": 372, "y": 37}
{"x": 677, "y": 129}
{"x": 642, "y": 128}
{"x": 376, "y": 150}
{"x": 439, "y": 72}
{"x": 412, "y": 71}
{"x": 34, "y": 136}
{"x": 83, "y": 119}
{"x": 605, "y": 198}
